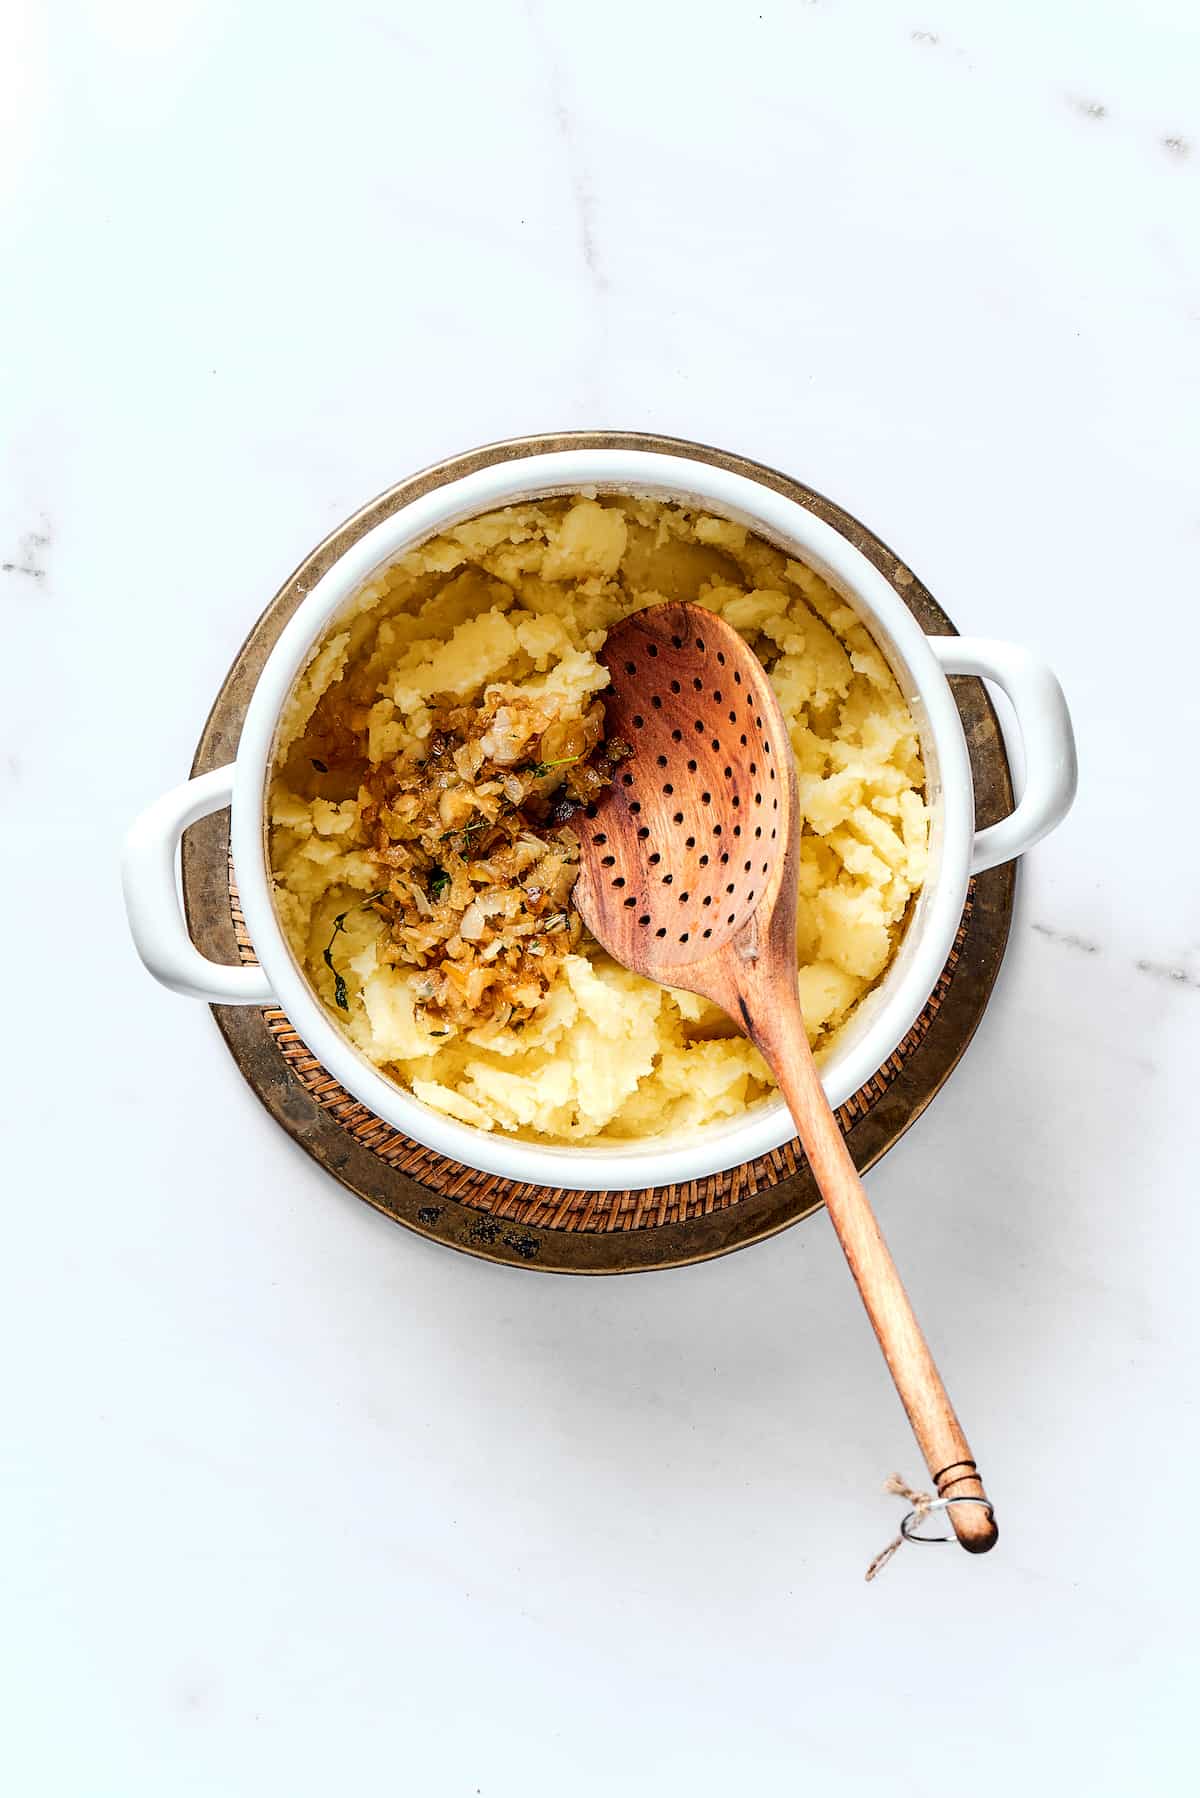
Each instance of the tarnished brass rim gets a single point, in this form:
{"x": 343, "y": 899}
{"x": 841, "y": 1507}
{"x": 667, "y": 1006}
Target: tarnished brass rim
{"x": 533, "y": 1227}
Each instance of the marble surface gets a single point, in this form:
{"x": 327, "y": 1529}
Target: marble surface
{"x": 296, "y": 1503}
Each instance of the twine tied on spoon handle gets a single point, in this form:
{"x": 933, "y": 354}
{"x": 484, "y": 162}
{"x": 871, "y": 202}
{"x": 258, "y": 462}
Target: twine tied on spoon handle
{"x": 922, "y": 1504}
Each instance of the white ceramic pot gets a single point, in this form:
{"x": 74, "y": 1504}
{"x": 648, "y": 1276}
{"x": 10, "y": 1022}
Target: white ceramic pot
{"x": 921, "y": 665}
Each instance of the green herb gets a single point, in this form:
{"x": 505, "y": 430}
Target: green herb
{"x": 339, "y": 985}
{"x": 319, "y": 766}
{"x": 466, "y": 831}
{"x": 439, "y": 880}
{"x": 541, "y": 768}
{"x": 439, "y": 1033}
{"x": 340, "y": 998}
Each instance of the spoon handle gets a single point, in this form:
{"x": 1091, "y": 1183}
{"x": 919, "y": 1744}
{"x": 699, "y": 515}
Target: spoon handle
{"x": 779, "y": 1033}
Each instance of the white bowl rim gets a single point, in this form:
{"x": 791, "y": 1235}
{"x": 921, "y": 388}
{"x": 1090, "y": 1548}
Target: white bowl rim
{"x": 899, "y": 999}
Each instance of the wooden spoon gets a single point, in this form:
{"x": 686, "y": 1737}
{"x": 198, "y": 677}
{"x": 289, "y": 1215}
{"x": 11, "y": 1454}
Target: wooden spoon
{"x": 688, "y": 876}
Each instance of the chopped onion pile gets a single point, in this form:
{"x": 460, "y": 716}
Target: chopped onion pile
{"x": 477, "y": 855}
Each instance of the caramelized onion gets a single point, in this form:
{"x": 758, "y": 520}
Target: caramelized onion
{"x": 476, "y": 858}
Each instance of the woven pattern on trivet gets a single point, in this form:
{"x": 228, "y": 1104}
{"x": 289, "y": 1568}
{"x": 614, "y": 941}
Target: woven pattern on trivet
{"x": 562, "y": 1208}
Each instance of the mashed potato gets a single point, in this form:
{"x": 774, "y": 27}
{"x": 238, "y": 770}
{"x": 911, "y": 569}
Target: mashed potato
{"x": 510, "y": 610}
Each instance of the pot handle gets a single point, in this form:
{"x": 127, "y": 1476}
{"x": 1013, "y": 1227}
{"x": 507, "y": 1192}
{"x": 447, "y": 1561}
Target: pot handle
{"x": 1051, "y": 769}
{"x": 156, "y": 919}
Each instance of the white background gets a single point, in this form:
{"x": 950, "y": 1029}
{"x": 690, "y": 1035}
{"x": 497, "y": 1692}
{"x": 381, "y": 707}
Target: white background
{"x": 296, "y": 1503}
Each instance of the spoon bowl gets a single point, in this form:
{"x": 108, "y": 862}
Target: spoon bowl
{"x": 684, "y": 857}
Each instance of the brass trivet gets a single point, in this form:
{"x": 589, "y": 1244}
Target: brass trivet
{"x": 557, "y": 1229}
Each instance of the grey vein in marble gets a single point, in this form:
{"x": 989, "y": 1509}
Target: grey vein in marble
{"x": 582, "y": 194}
{"x": 1068, "y": 939}
{"x": 933, "y": 40}
{"x": 31, "y": 563}
{"x": 584, "y": 198}
{"x": 1162, "y": 970}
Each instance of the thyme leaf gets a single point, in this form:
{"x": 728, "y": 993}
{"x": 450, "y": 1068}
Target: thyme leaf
{"x": 541, "y": 768}
{"x": 340, "y": 996}
{"x": 466, "y": 831}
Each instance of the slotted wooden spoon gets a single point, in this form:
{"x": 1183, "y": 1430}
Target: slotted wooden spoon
{"x": 688, "y": 876}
